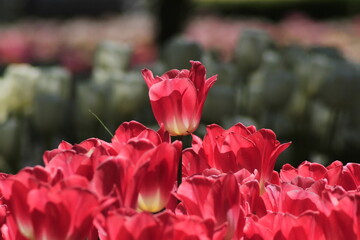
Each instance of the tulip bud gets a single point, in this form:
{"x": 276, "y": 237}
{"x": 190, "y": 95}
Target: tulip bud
{"x": 24, "y": 78}
{"x": 125, "y": 97}
{"x": 111, "y": 61}
{"x": 56, "y": 81}
{"x": 340, "y": 90}
{"x": 250, "y": 48}
{"x": 5, "y": 94}
{"x": 271, "y": 85}
{"x": 10, "y": 140}
{"x": 51, "y": 98}
{"x": 312, "y": 72}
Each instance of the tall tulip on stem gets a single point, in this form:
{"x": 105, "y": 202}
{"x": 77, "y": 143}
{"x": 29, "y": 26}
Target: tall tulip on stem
{"x": 177, "y": 99}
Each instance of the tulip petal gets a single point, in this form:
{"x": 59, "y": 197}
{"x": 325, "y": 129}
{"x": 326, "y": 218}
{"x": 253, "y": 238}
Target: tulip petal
{"x": 159, "y": 177}
{"x": 170, "y": 74}
{"x": 174, "y": 104}
{"x": 148, "y": 77}
{"x": 197, "y": 75}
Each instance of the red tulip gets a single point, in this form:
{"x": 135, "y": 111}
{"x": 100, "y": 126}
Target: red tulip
{"x": 177, "y": 97}
{"x": 194, "y": 159}
{"x": 315, "y": 171}
{"x": 142, "y": 175}
{"x": 117, "y": 177}
{"x": 125, "y": 224}
{"x": 86, "y": 148}
{"x": 40, "y": 210}
{"x": 289, "y": 198}
{"x": 336, "y": 174}
{"x": 128, "y": 225}
{"x": 182, "y": 227}
{"x": 351, "y": 176}
{"x": 159, "y": 177}
{"x": 343, "y": 215}
{"x": 134, "y": 131}
{"x": 217, "y": 199}
{"x": 78, "y": 159}
{"x": 234, "y": 149}
{"x": 311, "y": 216}
{"x": 282, "y": 226}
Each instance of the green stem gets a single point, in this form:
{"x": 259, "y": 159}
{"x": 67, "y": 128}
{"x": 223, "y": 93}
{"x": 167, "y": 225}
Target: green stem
{"x": 179, "y": 173}
{"x": 179, "y": 177}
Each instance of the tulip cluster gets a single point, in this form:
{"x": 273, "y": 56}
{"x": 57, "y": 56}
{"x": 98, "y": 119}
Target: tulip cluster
{"x": 129, "y": 188}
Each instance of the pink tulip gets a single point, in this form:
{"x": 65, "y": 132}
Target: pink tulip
{"x": 177, "y": 97}
{"x": 234, "y": 149}
{"x": 40, "y": 208}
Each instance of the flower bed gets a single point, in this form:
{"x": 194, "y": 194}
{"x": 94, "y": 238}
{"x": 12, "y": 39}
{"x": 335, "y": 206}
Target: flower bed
{"x": 295, "y": 29}
{"x": 48, "y": 42}
{"x": 40, "y": 42}
{"x": 143, "y": 185}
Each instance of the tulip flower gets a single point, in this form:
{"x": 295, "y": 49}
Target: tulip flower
{"x": 336, "y": 174}
{"x": 39, "y": 210}
{"x": 217, "y": 199}
{"x": 143, "y": 176}
{"x": 129, "y": 225}
{"x": 285, "y": 226}
{"x": 237, "y": 148}
{"x": 183, "y": 227}
{"x": 79, "y": 159}
{"x": 134, "y": 131}
{"x": 177, "y": 97}
{"x": 159, "y": 177}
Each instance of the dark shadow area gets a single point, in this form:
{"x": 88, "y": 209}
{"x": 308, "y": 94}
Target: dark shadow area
{"x": 71, "y": 8}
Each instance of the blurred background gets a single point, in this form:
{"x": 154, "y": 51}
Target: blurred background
{"x": 292, "y": 66}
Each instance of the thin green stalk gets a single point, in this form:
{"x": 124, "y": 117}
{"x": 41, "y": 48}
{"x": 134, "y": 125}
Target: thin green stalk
{"x": 101, "y": 122}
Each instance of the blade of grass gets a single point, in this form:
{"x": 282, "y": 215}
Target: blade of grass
{"x": 101, "y": 122}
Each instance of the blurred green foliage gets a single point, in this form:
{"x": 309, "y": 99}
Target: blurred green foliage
{"x": 306, "y": 95}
